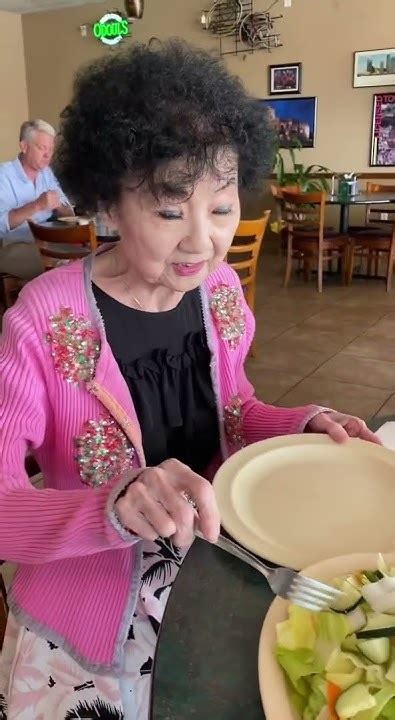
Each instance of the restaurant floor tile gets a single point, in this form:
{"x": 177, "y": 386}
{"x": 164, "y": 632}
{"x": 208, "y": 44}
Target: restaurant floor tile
{"x": 336, "y": 349}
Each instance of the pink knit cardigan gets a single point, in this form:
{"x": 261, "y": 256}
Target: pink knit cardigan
{"x": 63, "y": 398}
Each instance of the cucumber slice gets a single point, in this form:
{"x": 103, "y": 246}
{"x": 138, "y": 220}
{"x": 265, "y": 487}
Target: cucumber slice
{"x": 356, "y": 620}
{"x": 377, "y": 626}
{"x": 380, "y": 595}
{"x": 376, "y": 650}
{"x": 353, "y": 701}
{"x": 350, "y": 644}
{"x": 351, "y": 595}
{"x": 345, "y": 680}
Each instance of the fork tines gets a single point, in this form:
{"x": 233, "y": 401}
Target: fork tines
{"x": 312, "y": 594}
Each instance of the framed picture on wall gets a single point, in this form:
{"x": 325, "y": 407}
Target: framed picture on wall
{"x": 374, "y": 67}
{"x": 285, "y": 79}
{"x": 295, "y": 120}
{"x": 382, "y": 151}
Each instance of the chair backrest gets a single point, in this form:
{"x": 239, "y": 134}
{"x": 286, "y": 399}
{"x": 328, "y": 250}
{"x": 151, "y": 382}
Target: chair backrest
{"x": 304, "y": 215}
{"x": 63, "y": 244}
{"x": 380, "y": 214}
{"x": 3, "y": 610}
{"x": 278, "y": 191}
{"x": 244, "y": 252}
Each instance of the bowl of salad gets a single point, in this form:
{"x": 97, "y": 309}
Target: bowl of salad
{"x": 338, "y": 664}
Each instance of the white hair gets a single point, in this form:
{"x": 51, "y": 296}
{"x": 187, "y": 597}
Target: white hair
{"x": 31, "y": 126}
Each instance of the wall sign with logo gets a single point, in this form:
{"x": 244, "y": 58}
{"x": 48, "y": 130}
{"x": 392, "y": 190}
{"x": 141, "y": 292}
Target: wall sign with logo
{"x": 112, "y": 28}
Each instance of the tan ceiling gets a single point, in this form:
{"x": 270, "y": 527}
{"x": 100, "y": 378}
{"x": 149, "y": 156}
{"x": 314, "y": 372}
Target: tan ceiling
{"x": 25, "y": 6}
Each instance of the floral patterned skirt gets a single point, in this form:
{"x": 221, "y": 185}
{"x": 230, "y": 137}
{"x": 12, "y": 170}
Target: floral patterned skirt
{"x": 40, "y": 681}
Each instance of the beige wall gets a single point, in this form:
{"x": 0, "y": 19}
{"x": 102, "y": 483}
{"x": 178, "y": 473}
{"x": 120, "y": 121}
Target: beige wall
{"x": 322, "y": 34}
{"x": 13, "y": 92}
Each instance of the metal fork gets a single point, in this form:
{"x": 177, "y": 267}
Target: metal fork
{"x": 298, "y": 589}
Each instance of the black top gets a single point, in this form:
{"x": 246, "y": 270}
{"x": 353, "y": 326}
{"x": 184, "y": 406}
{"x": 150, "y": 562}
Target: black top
{"x": 165, "y": 361}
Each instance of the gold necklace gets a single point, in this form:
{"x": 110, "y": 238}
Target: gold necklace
{"x": 126, "y": 285}
{"x": 133, "y": 297}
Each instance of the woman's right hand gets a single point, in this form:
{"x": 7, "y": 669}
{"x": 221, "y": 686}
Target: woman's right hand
{"x": 155, "y": 504}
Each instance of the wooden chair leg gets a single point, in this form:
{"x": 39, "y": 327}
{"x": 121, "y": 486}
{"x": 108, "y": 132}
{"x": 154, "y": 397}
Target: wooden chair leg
{"x": 376, "y": 263}
{"x": 350, "y": 263}
{"x": 344, "y": 265}
{"x": 369, "y": 263}
{"x": 320, "y": 270}
{"x": 390, "y": 270}
{"x": 307, "y": 268}
{"x": 288, "y": 270}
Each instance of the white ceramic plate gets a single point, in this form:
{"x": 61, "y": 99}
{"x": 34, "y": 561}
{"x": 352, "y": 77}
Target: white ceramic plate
{"x": 299, "y": 499}
{"x": 271, "y": 680}
{"x": 74, "y": 220}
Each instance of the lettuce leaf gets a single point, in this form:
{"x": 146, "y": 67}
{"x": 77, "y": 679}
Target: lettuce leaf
{"x": 383, "y": 699}
{"x": 388, "y": 713}
{"x": 299, "y": 664}
{"x": 331, "y": 631}
{"x": 316, "y": 699}
{"x": 298, "y": 631}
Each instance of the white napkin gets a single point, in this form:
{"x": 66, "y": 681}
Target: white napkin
{"x": 386, "y": 433}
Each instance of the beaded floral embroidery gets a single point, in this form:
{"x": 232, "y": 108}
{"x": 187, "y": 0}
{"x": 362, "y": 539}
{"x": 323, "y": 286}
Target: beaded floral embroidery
{"x": 228, "y": 314}
{"x": 233, "y": 422}
{"x": 103, "y": 451}
{"x": 74, "y": 344}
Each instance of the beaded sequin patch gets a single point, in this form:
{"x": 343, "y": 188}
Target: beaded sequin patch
{"x": 103, "y": 451}
{"x": 233, "y": 422}
{"x": 75, "y": 346}
{"x": 228, "y": 313}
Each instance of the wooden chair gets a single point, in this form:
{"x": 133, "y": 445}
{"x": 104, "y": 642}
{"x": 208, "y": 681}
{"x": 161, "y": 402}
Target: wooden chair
{"x": 63, "y": 244}
{"x": 277, "y": 193}
{"x": 376, "y": 237}
{"x": 9, "y": 288}
{"x": 308, "y": 239}
{"x": 243, "y": 256}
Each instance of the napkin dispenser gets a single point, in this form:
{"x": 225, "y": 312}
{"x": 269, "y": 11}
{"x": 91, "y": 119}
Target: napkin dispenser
{"x": 347, "y": 185}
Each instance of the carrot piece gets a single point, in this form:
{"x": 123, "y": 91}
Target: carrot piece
{"x": 332, "y": 695}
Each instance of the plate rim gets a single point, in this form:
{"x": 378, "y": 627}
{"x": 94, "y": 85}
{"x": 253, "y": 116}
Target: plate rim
{"x": 70, "y": 219}
{"x": 223, "y": 481}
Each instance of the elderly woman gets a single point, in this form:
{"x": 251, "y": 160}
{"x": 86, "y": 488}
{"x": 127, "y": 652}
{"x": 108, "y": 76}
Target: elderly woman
{"x": 124, "y": 375}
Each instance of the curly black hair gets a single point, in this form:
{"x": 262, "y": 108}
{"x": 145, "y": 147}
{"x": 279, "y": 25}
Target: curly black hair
{"x": 134, "y": 111}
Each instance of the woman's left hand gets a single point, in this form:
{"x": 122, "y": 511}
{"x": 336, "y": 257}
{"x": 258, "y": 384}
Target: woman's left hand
{"x": 340, "y": 427}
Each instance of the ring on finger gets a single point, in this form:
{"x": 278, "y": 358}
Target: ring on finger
{"x": 189, "y": 499}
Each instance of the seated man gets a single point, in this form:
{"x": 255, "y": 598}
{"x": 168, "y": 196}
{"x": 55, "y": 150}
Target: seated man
{"x": 28, "y": 191}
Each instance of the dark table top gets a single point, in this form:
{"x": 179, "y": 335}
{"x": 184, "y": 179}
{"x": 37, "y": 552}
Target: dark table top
{"x": 362, "y": 199}
{"x": 103, "y": 234}
{"x": 206, "y": 665}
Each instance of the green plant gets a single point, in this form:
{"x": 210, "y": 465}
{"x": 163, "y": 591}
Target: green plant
{"x": 307, "y": 179}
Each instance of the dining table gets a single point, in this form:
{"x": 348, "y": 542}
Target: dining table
{"x": 361, "y": 198}
{"x": 104, "y": 234}
{"x": 206, "y": 663}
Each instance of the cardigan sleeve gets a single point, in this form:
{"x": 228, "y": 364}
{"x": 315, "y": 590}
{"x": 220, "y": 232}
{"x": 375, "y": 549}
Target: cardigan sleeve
{"x": 41, "y": 525}
{"x": 260, "y": 420}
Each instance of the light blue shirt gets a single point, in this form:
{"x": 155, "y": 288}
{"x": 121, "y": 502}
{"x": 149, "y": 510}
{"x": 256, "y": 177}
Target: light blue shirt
{"x": 16, "y": 190}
